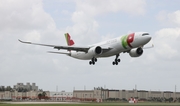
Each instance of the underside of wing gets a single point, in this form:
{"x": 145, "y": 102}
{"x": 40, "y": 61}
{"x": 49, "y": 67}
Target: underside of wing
{"x": 69, "y": 48}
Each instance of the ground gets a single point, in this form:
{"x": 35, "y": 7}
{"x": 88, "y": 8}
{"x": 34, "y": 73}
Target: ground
{"x": 84, "y": 104}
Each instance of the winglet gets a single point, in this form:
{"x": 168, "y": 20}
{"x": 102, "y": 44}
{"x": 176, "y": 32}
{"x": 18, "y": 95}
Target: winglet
{"x": 20, "y": 40}
{"x": 24, "y": 42}
{"x": 68, "y": 39}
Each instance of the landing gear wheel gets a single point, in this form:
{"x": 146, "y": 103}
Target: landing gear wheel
{"x": 118, "y": 60}
{"x": 116, "y": 63}
{"x": 95, "y": 59}
{"x": 113, "y": 63}
{"x": 90, "y": 62}
{"x": 93, "y": 62}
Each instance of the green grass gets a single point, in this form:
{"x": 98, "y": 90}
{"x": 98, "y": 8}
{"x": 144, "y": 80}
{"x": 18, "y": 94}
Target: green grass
{"x": 97, "y": 104}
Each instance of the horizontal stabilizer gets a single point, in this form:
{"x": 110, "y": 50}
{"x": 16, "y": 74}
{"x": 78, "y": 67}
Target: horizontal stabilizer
{"x": 150, "y": 44}
{"x": 147, "y": 47}
{"x": 59, "y": 52}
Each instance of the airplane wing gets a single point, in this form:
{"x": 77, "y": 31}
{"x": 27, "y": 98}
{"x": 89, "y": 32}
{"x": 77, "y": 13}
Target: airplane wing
{"x": 83, "y": 49}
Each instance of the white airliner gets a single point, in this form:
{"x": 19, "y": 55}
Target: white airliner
{"x": 131, "y": 43}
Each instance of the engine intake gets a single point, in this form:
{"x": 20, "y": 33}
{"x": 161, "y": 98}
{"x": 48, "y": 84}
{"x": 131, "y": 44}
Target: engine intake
{"x": 136, "y": 52}
{"x": 97, "y": 50}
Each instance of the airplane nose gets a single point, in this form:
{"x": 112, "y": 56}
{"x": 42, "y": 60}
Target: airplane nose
{"x": 148, "y": 38}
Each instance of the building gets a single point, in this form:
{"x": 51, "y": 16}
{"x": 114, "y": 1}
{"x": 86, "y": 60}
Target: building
{"x": 21, "y": 91}
{"x": 15, "y": 95}
{"x": 106, "y": 94}
{"x": 61, "y": 96}
{"x": 98, "y": 94}
{"x": 27, "y": 87}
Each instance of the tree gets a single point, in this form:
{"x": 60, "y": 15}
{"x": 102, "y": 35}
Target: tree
{"x": 40, "y": 89}
{"x": 25, "y": 90}
{"x": 170, "y": 99}
{"x": 2, "y": 88}
{"x": 8, "y": 88}
{"x": 43, "y": 95}
{"x": 40, "y": 96}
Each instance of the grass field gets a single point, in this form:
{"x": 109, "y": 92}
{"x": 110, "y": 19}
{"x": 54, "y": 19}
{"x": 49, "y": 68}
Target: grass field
{"x": 97, "y": 104}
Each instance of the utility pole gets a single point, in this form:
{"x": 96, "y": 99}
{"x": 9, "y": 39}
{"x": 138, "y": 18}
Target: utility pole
{"x": 175, "y": 93}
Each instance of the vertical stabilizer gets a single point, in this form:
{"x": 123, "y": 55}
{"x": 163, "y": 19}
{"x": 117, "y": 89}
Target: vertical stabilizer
{"x": 68, "y": 39}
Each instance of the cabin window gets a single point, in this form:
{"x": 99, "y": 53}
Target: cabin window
{"x": 144, "y": 34}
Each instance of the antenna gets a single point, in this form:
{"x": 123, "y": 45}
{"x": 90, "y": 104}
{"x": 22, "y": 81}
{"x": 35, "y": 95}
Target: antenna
{"x": 84, "y": 87}
{"x": 56, "y": 88}
{"x": 175, "y": 92}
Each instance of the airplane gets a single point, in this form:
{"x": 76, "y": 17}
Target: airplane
{"x": 132, "y": 43}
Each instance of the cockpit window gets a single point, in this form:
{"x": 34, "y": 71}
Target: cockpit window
{"x": 144, "y": 34}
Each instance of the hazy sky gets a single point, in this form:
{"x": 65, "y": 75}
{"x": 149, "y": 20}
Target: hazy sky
{"x": 88, "y": 22}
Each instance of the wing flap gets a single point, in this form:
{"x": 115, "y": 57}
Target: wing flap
{"x": 83, "y": 49}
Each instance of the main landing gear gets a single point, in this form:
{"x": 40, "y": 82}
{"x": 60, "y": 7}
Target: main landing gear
{"x": 93, "y": 61}
{"x": 116, "y": 61}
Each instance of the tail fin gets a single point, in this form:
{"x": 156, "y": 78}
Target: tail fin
{"x": 68, "y": 39}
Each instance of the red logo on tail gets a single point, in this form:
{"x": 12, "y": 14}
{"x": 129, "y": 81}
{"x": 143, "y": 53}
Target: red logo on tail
{"x": 69, "y": 41}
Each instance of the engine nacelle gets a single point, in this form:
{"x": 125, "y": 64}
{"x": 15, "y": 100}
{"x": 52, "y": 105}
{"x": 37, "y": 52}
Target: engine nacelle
{"x": 97, "y": 50}
{"x": 136, "y": 52}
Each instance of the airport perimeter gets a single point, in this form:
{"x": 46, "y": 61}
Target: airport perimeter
{"x": 30, "y": 93}
{"x": 83, "y": 104}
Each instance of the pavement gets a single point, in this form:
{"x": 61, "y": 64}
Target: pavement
{"x": 42, "y": 102}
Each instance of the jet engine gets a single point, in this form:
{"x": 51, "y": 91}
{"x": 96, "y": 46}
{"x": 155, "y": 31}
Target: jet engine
{"x": 97, "y": 50}
{"x": 136, "y": 52}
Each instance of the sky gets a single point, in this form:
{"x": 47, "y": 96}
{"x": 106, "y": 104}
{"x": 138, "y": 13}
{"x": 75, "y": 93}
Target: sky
{"x": 88, "y": 22}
